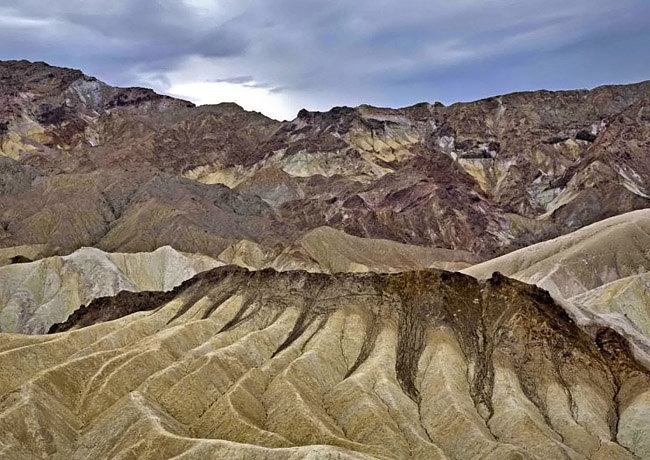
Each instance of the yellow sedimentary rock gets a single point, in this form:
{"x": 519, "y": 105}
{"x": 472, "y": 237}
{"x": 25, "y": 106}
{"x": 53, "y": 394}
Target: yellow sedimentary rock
{"x": 294, "y": 365}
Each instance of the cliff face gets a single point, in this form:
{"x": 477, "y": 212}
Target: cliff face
{"x": 426, "y": 364}
{"x": 486, "y": 177}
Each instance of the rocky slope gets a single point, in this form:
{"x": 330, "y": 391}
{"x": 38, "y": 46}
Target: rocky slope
{"x": 519, "y": 167}
{"x": 263, "y": 364}
{"x": 131, "y": 211}
{"x": 59, "y": 119}
{"x": 36, "y": 295}
{"x": 485, "y": 177}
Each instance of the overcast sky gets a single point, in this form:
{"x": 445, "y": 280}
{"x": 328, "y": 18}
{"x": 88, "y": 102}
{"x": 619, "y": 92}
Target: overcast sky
{"x": 277, "y": 56}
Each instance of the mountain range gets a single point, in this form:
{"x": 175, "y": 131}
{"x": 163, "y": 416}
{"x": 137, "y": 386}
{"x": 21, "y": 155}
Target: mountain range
{"x": 87, "y": 164}
{"x": 462, "y": 281}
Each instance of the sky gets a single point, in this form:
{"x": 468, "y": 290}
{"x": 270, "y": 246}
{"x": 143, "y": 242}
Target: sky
{"x": 278, "y": 56}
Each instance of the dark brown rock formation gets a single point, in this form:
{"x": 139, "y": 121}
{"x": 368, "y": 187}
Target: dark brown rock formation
{"x": 487, "y": 177}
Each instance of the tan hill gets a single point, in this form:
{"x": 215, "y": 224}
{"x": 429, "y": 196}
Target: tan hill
{"x": 487, "y": 177}
{"x": 580, "y": 261}
{"x": 337, "y": 251}
{"x": 598, "y": 272}
{"x": 624, "y": 300}
{"x": 237, "y": 364}
{"x": 328, "y": 250}
{"x": 130, "y": 211}
{"x": 36, "y": 295}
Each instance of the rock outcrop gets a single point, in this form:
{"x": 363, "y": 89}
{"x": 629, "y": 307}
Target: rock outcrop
{"x": 598, "y": 272}
{"x": 427, "y": 364}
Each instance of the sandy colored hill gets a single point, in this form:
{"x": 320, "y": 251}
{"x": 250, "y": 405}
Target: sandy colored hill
{"x": 598, "y": 272}
{"x": 238, "y": 364}
{"x": 36, "y": 295}
{"x": 336, "y": 251}
{"x": 626, "y": 299}
{"x": 25, "y": 253}
{"x": 328, "y": 250}
{"x": 580, "y": 261}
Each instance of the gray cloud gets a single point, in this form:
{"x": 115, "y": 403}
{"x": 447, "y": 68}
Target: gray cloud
{"x": 318, "y": 54}
{"x": 241, "y": 80}
{"x": 247, "y": 81}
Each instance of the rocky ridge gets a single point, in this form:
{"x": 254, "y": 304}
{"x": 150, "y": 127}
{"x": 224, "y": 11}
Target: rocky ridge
{"x": 427, "y": 364}
{"x": 598, "y": 273}
{"x": 36, "y": 295}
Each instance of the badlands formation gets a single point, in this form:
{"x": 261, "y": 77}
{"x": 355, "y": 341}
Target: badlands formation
{"x": 570, "y": 265}
{"x": 340, "y": 325}
{"x": 36, "y": 295}
{"x": 327, "y": 250}
{"x": 600, "y": 273}
{"x": 239, "y": 364}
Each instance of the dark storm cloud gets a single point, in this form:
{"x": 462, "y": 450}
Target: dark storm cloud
{"x": 114, "y": 38}
{"x": 321, "y": 53}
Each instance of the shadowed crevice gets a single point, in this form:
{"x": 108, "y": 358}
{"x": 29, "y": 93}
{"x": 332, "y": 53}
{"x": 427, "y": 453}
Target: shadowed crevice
{"x": 239, "y": 316}
{"x": 303, "y": 321}
{"x": 218, "y": 302}
{"x": 372, "y": 331}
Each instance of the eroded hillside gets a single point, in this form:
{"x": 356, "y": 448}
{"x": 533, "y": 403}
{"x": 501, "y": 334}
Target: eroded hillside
{"x": 346, "y": 339}
{"x": 598, "y": 272}
{"x": 426, "y": 364}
